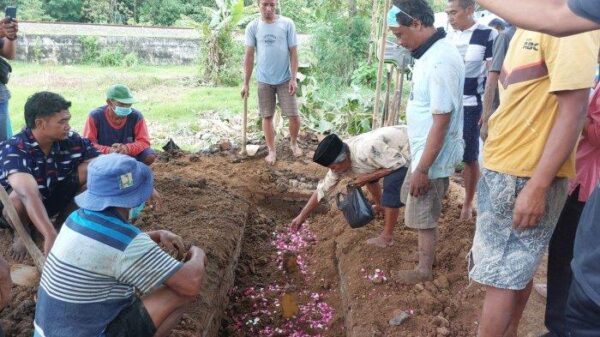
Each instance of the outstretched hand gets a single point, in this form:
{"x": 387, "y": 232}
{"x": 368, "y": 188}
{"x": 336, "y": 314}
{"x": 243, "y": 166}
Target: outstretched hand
{"x": 298, "y": 222}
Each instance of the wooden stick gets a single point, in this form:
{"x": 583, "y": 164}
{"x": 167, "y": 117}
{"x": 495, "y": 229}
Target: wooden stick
{"x": 380, "y": 65}
{"x": 32, "y": 249}
{"x": 244, "y": 123}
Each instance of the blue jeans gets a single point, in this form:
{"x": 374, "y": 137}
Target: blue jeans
{"x": 5, "y": 126}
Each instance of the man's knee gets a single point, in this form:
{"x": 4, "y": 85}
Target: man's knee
{"x": 82, "y": 170}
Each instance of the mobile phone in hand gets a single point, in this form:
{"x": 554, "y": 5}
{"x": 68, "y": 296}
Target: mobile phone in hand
{"x": 10, "y": 12}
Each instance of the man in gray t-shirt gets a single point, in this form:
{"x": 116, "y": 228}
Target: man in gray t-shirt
{"x": 273, "y": 38}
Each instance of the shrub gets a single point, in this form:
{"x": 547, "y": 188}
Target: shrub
{"x": 90, "y": 49}
{"x": 110, "y": 57}
{"x": 339, "y": 46}
{"x": 131, "y": 60}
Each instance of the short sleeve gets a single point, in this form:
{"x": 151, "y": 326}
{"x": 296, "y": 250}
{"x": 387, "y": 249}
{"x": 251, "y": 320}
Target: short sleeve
{"x": 291, "y": 35}
{"x": 444, "y": 83}
{"x": 384, "y": 156}
{"x": 589, "y": 9}
{"x": 563, "y": 72}
{"x": 14, "y": 160}
{"x": 250, "y": 36}
{"x": 326, "y": 185}
{"x": 499, "y": 52}
{"x": 144, "y": 265}
{"x": 489, "y": 45}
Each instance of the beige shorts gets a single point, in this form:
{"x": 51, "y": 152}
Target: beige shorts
{"x": 269, "y": 95}
{"x": 424, "y": 212}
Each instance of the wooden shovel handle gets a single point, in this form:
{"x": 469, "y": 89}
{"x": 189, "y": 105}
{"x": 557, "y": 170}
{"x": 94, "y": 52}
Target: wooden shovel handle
{"x": 32, "y": 249}
{"x": 244, "y": 123}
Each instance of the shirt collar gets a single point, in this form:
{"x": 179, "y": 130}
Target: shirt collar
{"x": 470, "y": 29}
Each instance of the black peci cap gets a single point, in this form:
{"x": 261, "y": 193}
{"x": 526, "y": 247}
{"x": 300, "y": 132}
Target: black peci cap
{"x": 329, "y": 148}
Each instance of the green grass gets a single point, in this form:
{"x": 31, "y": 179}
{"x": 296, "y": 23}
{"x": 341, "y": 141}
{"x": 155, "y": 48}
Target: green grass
{"x": 167, "y": 95}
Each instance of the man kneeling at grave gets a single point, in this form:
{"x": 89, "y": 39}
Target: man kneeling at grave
{"x": 44, "y": 167}
{"x": 100, "y": 261}
{"x": 368, "y": 157}
{"x": 118, "y": 128}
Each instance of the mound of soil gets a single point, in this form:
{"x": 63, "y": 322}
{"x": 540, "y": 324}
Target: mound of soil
{"x": 239, "y": 210}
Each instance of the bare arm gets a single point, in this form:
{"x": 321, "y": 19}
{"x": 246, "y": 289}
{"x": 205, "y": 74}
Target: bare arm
{"x": 531, "y": 202}
{"x": 552, "y": 17}
{"x": 488, "y": 101}
{"x": 370, "y": 177}
{"x": 187, "y": 281}
{"x": 419, "y": 181}
{"x": 311, "y": 204}
{"x": 25, "y": 186}
{"x": 248, "y": 67}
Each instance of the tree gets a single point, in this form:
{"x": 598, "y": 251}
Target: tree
{"x": 161, "y": 12}
{"x": 217, "y": 38}
{"x": 63, "y": 10}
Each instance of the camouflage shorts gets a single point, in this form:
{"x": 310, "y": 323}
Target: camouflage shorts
{"x": 501, "y": 256}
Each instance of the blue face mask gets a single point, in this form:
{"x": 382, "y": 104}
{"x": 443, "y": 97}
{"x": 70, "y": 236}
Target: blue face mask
{"x": 122, "y": 111}
{"x": 134, "y": 213}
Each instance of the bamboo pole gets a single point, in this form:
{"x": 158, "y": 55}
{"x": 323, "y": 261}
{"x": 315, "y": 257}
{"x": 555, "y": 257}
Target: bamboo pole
{"x": 244, "y": 126}
{"x": 373, "y": 31}
{"x": 380, "y": 66}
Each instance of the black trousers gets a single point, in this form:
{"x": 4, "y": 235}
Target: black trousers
{"x": 560, "y": 254}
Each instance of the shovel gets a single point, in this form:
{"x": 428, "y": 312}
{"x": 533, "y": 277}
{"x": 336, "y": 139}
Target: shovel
{"x": 32, "y": 249}
{"x": 244, "y": 123}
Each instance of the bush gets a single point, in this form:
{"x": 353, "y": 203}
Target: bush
{"x": 110, "y": 57}
{"x": 131, "y": 60}
{"x": 90, "y": 49}
{"x": 338, "y": 47}
{"x": 365, "y": 75}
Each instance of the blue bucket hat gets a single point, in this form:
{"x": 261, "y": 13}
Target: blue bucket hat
{"x": 116, "y": 180}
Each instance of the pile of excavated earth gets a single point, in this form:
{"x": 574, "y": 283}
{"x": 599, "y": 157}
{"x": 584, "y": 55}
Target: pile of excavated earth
{"x": 265, "y": 280}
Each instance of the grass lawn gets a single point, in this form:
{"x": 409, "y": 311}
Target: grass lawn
{"x": 167, "y": 95}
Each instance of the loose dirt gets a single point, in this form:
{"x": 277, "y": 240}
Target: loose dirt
{"x": 325, "y": 281}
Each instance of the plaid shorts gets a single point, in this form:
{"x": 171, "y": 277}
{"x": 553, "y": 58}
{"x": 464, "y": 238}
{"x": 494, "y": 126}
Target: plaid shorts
{"x": 424, "y": 212}
{"x": 269, "y": 94}
{"x": 501, "y": 256}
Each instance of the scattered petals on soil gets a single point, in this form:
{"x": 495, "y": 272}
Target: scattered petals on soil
{"x": 265, "y": 319}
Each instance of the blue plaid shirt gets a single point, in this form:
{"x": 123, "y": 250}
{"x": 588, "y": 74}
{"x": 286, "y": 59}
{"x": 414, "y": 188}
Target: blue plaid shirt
{"x": 21, "y": 153}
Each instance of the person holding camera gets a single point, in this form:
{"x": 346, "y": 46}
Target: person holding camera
{"x": 9, "y": 28}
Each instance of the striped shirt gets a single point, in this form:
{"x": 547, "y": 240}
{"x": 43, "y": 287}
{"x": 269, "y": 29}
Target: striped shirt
{"x": 97, "y": 263}
{"x": 475, "y": 45}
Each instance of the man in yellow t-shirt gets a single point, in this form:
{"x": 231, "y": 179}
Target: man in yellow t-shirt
{"x": 528, "y": 156}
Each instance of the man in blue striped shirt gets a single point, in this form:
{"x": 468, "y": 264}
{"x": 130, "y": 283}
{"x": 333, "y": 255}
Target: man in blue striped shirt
{"x": 474, "y": 42}
{"x": 99, "y": 262}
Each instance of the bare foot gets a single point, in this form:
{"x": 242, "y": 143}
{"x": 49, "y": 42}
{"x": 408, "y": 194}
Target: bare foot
{"x": 412, "y": 276}
{"x": 271, "y": 158}
{"x": 296, "y": 150}
{"x": 541, "y": 288}
{"x": 466, "y": 213}
{"x": 18, "y": 251}
{"x": 381, "y": 241}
